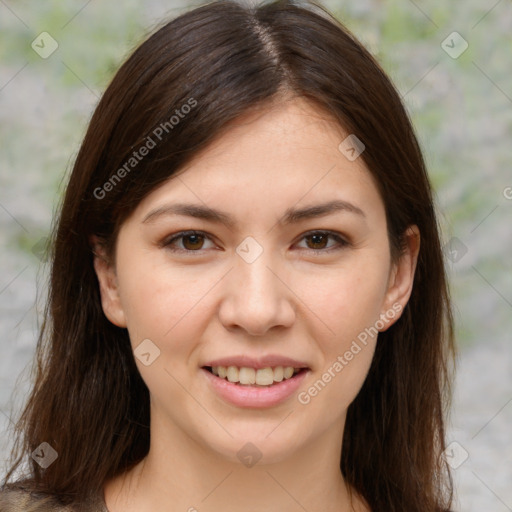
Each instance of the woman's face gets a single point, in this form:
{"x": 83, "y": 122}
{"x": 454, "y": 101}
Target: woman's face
{"x": 293, "y": 269}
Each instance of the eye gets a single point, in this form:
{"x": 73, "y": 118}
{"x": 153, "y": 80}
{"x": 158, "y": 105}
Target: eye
{"x": 317, "y": 240}
{"x": 191, "y": 241}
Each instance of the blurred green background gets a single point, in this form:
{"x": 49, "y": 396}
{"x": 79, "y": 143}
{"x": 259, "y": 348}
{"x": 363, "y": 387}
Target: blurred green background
{"x": 461, "y": 109}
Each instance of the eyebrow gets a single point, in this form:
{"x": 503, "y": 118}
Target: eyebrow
{"x": 291, "y": 215}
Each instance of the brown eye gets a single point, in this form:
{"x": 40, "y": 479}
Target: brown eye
{"x": 193, "y": 242}
{"x": 318, "y": 240}
{"x": 186, "y": 242}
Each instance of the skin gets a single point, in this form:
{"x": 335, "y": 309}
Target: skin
{"x": 296, "y": 300}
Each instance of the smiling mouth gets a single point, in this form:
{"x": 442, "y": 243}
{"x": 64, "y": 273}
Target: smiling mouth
{"x": 263, "y": 377}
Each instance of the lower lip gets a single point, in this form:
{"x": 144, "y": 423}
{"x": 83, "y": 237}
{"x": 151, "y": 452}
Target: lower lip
{"x": 252, "y": 396}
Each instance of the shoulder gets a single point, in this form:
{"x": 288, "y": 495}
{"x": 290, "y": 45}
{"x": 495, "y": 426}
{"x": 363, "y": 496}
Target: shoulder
{"x": 18, "y": 500}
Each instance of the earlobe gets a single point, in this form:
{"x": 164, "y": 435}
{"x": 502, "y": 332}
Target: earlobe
{"x": 402, "y": 277}
{"x": 108, "y": 284}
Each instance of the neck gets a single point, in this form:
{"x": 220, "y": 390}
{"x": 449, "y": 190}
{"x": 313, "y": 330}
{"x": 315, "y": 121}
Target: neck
{"x": 190, "y": 475}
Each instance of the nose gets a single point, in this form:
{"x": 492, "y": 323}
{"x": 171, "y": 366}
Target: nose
{"x": 257, "y": 296}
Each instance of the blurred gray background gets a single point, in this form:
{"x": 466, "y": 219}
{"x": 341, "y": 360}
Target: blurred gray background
{"x": 459, "y": 98}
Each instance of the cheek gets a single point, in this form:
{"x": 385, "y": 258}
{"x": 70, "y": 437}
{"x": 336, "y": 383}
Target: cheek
{"x": 159, "y": 303}
{"x": 350, "y": 307}
{"x": 167, "y": 308}
{"x": 347, "y": 299}
{"x": 348, "y": 303}
{"x": 343, "y": 377}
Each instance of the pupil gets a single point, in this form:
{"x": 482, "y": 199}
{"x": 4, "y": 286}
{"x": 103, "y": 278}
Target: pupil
{"x": 317, "y": 239}
{"x": 196, "y": 240}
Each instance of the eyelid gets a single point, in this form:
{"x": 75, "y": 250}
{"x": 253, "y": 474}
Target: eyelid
{"x": 166, "y": 242}
{"x": 340, "y": 239}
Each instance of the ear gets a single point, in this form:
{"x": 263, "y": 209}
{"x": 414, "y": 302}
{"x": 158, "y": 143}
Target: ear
{"x": 402, "y": 277}
{"x": 109, "y": 288}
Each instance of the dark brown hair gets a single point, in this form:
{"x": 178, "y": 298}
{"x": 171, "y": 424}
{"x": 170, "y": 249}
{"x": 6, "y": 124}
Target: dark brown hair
{"x": 224, "y": 60}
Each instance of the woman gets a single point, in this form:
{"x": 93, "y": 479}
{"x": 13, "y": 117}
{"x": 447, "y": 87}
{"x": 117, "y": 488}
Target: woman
{"x": 248, "y": 306}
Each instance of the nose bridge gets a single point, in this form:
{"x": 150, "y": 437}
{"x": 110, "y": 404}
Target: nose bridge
{"x": 257, "y": 299}
{"x": 252, "y": 267}
{"x": 256, "y": 279}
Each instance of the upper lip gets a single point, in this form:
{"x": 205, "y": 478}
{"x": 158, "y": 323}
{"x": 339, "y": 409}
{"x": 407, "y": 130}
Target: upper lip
{"x": 270, "y": 360}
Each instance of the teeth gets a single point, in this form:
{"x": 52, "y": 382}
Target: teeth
{"x": 278, "y": 374}
{"x": 233, "y": 374}
{"x": 288, "y": 372}
{"x": 264, "y": 377}
{"x": 250, "y": 376}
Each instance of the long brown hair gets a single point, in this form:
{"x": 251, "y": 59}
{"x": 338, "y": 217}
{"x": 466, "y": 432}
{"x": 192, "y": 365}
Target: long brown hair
{"x": 222, "y": 60}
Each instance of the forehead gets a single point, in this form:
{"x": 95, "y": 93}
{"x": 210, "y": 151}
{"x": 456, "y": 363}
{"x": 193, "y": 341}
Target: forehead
{"x": 279, "y": 156}
{"x": 285, "y": 130}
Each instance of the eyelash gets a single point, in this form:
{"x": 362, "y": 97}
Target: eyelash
{"x": 342, "y": 243}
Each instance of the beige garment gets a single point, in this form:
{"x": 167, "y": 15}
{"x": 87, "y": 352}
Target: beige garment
{"x": 23, "y": 501}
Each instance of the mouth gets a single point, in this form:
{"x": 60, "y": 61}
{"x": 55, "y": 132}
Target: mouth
{"x": 253, "y": 377}
{"x": 255, "y": 388}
